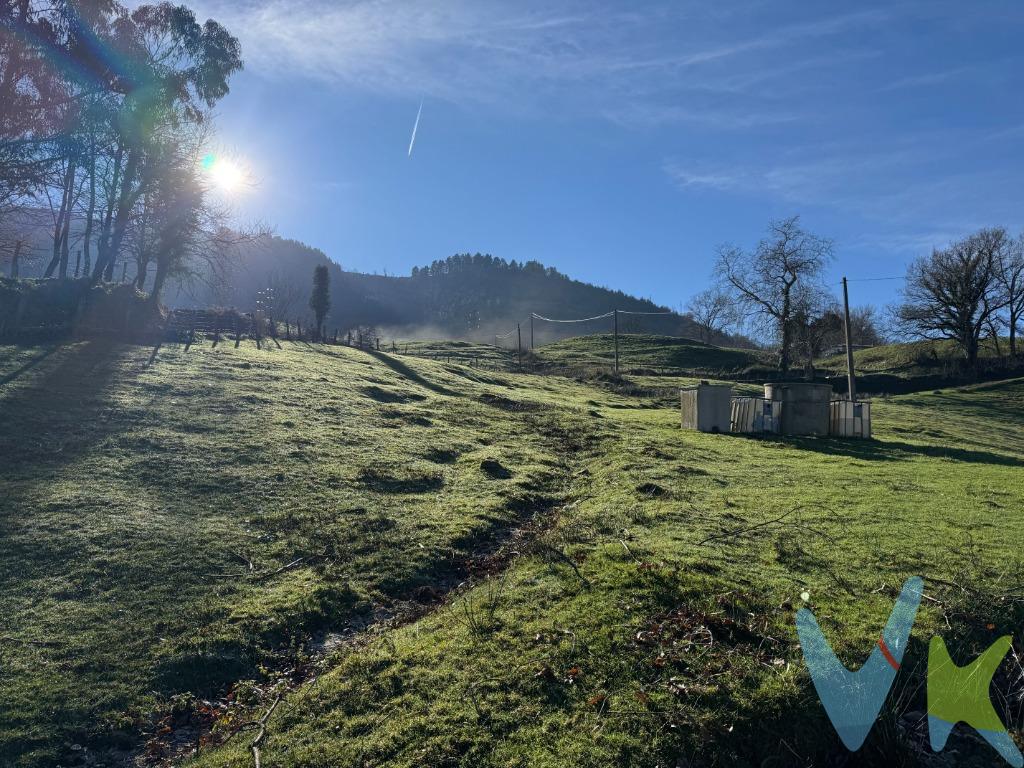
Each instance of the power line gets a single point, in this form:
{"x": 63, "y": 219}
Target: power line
{"x": 628, "y": 312}
{"x": 872, "y": 279}
{"x": 581, "y": 320}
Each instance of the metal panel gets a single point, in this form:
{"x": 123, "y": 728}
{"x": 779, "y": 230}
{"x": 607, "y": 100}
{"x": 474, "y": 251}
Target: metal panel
{"x": 849, "y": 419}
{"x": 756, "y": 414}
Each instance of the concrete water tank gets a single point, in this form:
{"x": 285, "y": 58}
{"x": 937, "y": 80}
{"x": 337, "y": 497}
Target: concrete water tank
{"x": 707, "y": 407}
{"x": 805, "y": 406}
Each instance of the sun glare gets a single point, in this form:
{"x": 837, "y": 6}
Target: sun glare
{"x": 224, "y": 174}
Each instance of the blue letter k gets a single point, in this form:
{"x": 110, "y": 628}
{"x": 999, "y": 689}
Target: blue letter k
{"x": 854, "y": 699}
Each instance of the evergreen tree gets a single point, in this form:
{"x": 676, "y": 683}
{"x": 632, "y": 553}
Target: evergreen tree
{"x": 320, "y": 299}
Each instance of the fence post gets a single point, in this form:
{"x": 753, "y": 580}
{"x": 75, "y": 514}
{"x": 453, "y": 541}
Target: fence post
{"x": 615, "y": 327}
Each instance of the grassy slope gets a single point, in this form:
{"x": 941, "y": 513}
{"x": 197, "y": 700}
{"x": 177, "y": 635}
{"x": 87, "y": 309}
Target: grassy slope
{"x": 595, "y": 646}
{"x": 621, "y": 670}
{"x": 466, "y": 352}
{"x": 135, "y": 499}
{"x": 909, "y": 359}
{"x": 645, "y": 351}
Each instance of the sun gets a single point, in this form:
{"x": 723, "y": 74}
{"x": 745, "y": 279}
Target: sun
{"x": 224, "y": 174}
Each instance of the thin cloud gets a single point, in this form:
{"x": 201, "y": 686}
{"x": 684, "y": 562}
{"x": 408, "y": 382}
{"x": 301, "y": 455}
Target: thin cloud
{"x": 627, "y": 66}
{"x": 913, "y": 185}
{"x": 927, "y": 79}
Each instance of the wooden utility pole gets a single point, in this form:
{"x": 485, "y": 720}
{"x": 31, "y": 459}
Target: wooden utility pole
{"x": 531, "y": 331}
{"x": 615, "y": 327}
{"x": 519, "y": 344}
{"x": 850, "y": 378}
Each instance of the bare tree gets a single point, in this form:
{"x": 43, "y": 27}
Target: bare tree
{"x": 865, "y": 327}
{"x": 765, "y": 281}
{"x": 714, "y": 311}
{"x": 817, "y": 326}
{"x": 287, "y": 295}
{"x": 953, "y": 293}
{"x": 1009, "y": 275}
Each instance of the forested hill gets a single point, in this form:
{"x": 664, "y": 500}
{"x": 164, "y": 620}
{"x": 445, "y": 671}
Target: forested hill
{"x": 463, "y": 296}
{"x": 470, "y": 296}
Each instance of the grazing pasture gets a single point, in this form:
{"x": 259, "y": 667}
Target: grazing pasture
{"x": 362, "y": 558}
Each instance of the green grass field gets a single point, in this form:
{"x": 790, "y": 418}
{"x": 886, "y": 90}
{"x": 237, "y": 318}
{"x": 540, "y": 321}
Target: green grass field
{"x": 911, "y": 359}
{"x": 645, "y": 351}
{"x": 416, "y": 563}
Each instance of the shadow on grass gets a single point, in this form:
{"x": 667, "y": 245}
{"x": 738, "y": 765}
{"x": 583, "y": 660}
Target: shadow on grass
{"x": 404, "y": 370}
{"x": 59, "y": 413}
{"x": 884, "y": 450}
{"x": 891, "y": 450}
{"x": 7, "y": 379}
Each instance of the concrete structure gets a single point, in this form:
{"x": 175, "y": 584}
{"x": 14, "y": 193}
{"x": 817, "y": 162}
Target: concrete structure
{"x": 751, "y": 415}
{"x": 706, "y": 407}
{"x": 849, "y": 419}
{"x": 805, "y": 406}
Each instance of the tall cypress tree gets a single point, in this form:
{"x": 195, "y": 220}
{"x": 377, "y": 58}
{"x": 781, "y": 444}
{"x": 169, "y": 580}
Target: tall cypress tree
{"x": 320, "y": 299}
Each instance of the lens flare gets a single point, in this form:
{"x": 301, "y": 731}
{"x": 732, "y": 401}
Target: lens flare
{"x": 224, "y": 173}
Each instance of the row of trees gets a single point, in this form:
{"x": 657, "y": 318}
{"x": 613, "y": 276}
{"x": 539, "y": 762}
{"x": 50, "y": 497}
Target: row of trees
{"x": 972, "y": 288}
{"x": 104, "y": 120}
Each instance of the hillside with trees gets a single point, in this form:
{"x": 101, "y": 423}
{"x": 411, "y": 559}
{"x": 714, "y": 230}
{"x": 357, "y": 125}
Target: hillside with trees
{"x": 462, "y": 296}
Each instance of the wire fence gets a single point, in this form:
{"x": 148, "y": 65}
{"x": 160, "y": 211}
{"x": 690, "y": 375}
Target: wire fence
{"x": 609, "y": 337}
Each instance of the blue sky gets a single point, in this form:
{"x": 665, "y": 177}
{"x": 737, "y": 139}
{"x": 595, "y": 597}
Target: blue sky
{"x": 622, "y": 143}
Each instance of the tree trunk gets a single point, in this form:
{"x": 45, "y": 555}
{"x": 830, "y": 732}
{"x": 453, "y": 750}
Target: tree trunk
{"x": 972, "y": 352}
{"x": 125, "y": 202}
{"x": 87, "y": 238}
{"x": 142, "y": 272}
{"x": 158, "y": 280}
{"x": 14, "y": 260}
{"x": 103, "y": 247}
{"x": 787, "y": 342}
{"x": 59, "y": 226}
{"x": 65, "y": 255}
{"x": 994, "y": 332}
{"x": 1014, "y": 318}
{"x": 787, "y": 331}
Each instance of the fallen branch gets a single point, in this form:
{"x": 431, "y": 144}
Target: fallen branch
{"x": 735, "y": 533}
{"x": 262, "y": 722}
{"x": 628, "y": 550}
{"x": 282, "y": 569}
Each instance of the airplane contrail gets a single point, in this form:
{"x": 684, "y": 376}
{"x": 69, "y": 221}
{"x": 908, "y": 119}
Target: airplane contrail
{"x": 415, "y": 126}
